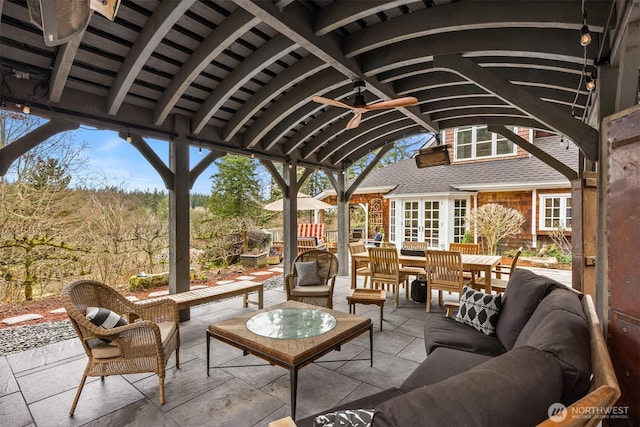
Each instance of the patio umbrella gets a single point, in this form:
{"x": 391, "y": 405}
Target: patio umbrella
{"x": 305, "y": 203}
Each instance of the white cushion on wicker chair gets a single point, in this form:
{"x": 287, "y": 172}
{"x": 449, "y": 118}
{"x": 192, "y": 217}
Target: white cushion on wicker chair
{"x": 310, "y": 291}
{"x": 107, "y": 351}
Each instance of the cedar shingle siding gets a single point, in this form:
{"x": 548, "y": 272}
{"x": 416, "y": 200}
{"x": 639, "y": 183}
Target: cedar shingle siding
{"x": 507, "y": 180}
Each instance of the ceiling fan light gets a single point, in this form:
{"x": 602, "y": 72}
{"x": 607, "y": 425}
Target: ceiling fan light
{"x": 585, "y": 36}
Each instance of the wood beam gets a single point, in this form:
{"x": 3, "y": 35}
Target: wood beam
{"x": 20, "y": 146}
{"x": 156, "y": 162}
{"x": 291, "y": 101}
{"x": 546, "y": 158}
{"x": 583, "y": 135}
{"x": 160, "y": 23}
{"x": 254, "y": 64}
{"x": 474, "y": 16}
{"x": 290, "y": 77}
{"x": 295, "y": 23}
{"x": 238, "y": 23}
{"x": 545, "y": 44}
{"x": 372, "y": 125}
{"x": 64, "y": 60}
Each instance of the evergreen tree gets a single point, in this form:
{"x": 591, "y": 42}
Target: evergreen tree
{"x": 235, "y": 190}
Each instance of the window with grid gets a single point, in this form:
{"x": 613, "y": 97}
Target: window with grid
{"x": 432, "y": 223}
{"x": 459, "y": 215}
{"x": 555, "y": 211}
{"x": 392, "y": 221}
{"x": 411, "y": 221}
{"x": 476, "y": 142}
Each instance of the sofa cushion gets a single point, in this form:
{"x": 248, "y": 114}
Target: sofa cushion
{"x": 440, "y": 331}
{"x": 525, "y": 290}
{"x": 559, "y": 327}
{"x": 441, "y": 364}
{"x": 505, "y": 390}
{"x": 479, "y": 310}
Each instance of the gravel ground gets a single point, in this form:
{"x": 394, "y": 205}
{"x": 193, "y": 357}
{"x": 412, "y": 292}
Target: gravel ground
{"x": 21, "y": 338}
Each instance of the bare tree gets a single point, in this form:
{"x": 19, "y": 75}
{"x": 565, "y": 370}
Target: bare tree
{"x": 494, "y": 222}
{"x": 40, "y": 238}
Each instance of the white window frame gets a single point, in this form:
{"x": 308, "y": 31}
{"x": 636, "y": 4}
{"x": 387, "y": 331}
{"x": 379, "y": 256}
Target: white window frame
{"x": 474, "y": 136}
{"x": 562, "y": 198}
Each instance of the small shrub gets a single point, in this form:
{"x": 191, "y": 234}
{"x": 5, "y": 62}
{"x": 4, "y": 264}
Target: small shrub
{"x": 151, "y": 281}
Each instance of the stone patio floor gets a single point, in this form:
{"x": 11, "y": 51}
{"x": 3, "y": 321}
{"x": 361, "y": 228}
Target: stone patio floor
{"x": 37, "y": 386}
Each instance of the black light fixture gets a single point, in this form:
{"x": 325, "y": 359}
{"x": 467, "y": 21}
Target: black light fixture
{"x": 129, "y": 139}
{"x": 437, "y": 155}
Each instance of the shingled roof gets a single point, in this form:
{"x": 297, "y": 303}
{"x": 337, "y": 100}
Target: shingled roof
{"x": 514, "y": 173}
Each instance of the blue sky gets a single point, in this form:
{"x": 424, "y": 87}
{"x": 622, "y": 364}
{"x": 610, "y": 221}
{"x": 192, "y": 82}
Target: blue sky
{"x": 122, "y": 165}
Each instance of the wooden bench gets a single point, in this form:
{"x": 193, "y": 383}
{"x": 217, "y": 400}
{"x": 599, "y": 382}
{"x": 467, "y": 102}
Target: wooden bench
{"x": 215, "y": 293}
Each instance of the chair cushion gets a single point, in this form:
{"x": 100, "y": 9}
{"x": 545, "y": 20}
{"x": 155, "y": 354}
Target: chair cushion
{"x": 166, "y": 330}
{"x": 105, "y": 351}
{"x": 479, "y": 310}
{"x": 311, "y": 291}
{"x": 308, "y": 273}
{"x": 109, "y": 350}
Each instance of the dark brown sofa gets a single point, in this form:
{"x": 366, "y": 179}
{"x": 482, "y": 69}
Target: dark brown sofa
{"x": 540, "y": 355}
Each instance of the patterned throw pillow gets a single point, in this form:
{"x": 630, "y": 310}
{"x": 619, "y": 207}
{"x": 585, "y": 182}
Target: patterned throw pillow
{"x": 105, "y": 318}
{"x": 308, "y": 273}
{"x": 346, "y": 418}
{"x": 479, "y": 310}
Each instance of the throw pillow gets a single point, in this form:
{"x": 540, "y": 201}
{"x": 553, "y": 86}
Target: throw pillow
{"x": 479, "y": 310}
{"x": 346, "y": 418}
{"x": 308, "y": 273}
{"x": 105, "y": 318}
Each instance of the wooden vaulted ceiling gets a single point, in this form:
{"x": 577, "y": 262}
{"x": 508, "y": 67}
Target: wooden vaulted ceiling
{"x": 241, "y": 73}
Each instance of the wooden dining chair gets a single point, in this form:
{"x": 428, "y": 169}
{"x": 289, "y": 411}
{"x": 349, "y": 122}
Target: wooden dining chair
{"x": 467, "y": 249}
{"x": 385, "y": 270}
{"x": 498, "y": 283}
{"x": 362, "y": 267}
{"x": 444, "y": 273}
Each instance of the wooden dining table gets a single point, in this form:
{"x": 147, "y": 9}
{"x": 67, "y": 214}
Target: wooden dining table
{"x": 475, "y": 263}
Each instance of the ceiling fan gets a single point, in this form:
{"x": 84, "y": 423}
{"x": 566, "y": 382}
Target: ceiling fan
{"x": 360, "y": 106}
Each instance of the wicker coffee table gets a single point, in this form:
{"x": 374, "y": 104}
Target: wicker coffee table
{"x": 290, "y": 335}
{"x": 367, "y": 296}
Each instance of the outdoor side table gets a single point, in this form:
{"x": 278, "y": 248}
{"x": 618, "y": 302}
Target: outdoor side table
{"x": 367, "y": 296}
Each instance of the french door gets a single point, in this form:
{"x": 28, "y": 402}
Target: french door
{"x": 421, "y": 222}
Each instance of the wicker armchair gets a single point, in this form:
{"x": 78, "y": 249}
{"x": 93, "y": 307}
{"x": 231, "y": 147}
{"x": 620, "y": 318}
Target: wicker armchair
{"x": 316, "y": 294}
{"x": 143, "y": 345}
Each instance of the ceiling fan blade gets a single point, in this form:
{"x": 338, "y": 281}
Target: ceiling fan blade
{"x": 333, "y": 102}
{"x": 393, "y": 103}
{"x": 355, "y": 120}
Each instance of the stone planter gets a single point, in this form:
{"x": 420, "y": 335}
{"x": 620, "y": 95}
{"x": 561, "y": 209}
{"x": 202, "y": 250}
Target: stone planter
{"x": 254, "y": 259}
